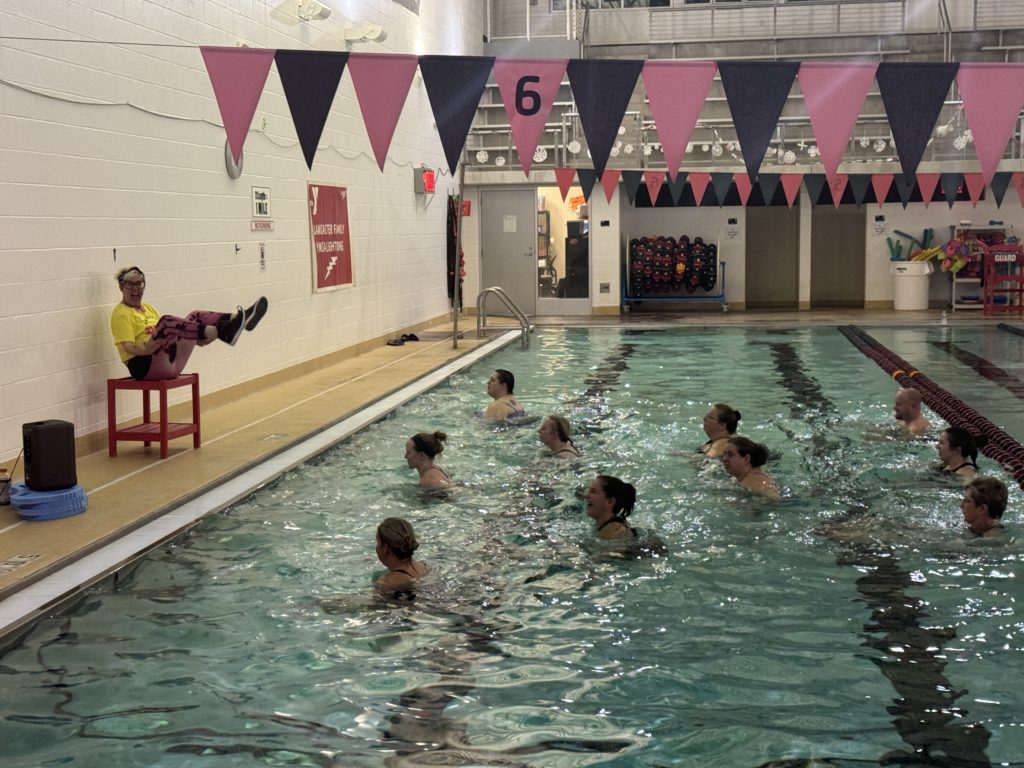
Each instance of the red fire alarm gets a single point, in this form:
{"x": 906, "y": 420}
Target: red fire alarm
{"x": 424, "y": 181}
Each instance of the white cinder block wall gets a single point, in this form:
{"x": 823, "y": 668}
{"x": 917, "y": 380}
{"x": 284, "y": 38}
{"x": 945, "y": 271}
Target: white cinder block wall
{"x": 80, "y": 178}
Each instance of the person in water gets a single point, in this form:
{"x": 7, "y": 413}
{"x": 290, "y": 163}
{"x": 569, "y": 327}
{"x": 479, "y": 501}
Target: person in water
{"x": 155, "y": 347}
{"x": 609, "y": 502}
{"x": 907, "y": 411}
{"x": 958, "y": 451}
{"x": 420, "y": 450}
{"x": 744, "y": 459}
{"x": 983, "y": 505}
{"x": 396, "y": 542}
{"x": 554, "y": 433}
{"x": 720, "y": 424}
{"x": 504, "y": 404}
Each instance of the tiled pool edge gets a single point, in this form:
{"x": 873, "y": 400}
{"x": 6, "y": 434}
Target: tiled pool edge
{"x": 26, "y": 606}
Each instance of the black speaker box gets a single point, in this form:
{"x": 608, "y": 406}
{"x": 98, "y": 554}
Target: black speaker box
{"x": 49, "y": 454}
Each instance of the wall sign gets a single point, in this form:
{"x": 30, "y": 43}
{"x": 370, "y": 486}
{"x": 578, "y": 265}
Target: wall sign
{"x": 328, "y": 229}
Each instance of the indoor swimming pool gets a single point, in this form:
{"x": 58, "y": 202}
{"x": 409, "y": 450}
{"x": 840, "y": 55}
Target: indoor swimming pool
{"x": 851, "y": 623}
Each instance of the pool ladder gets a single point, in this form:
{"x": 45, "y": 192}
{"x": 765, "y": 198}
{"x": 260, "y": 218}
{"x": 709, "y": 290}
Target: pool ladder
{"x": 481, "y": 314}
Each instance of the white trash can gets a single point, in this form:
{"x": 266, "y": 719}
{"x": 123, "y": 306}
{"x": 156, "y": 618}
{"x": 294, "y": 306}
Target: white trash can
{"x": 910, "y": 289}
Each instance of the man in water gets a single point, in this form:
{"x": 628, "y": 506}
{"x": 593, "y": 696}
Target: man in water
{"x": 907, "y": 411}
{"x": 983, "y": 505}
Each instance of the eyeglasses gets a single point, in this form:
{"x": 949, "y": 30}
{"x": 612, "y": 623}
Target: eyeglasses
{"x": 133, "y": 283}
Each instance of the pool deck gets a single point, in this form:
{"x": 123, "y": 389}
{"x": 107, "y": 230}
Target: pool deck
{"x": 137, "y": 488}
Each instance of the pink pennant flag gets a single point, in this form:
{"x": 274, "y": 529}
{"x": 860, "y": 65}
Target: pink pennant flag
{"x": 993, "y": 96}
{"x": 610, "y": 180}
{"x": 743, "y": 186}
{"x": 834, "y": 94}
{"x": 654, "y": 180}
{"x": 699, "y": 184}
{"x": 975, "y": 186}
{"x": 837, "y": 185}
{"x": 1018, "y": 183}
{"x": 237, "y": 76}
{"x": 791, "y": 184}
{"x": 677, "y": 90}
{"x": 382, "y": 83}
{"x": 880, "y": 182}
{"x": 528, "y": 89}
{"x": 926, "y": 182}
{"x": 565, "y": 176}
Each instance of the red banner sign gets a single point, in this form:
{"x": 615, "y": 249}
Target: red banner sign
{"x": 328, "y": 228}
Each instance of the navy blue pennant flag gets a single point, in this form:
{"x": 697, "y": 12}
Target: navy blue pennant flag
{"x": 676, "y": 187}
{"x": 310, "y": 80}
{"x": 814, "y": 183}
{"x": 454, "y": 85}
{"x": 756, "y": 92}
{"x": 631, "y": 180}
{"x": 859, "y": 184}
{"x": 587, "y": 178}
{"x": 904, "y": 187}
{"x": 768, "y": 183}
{"x": 950, "y": 183}
{"x": 602, "y": 90}
{"x": 999, "y": 184}
{"x": 913, "y": 95}
{"x": 721, "y": 182}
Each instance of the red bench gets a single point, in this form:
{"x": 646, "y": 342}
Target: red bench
{"x": 149, "y": 431}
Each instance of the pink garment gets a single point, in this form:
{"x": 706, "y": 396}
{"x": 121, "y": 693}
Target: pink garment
{"x": 179, "y": 334}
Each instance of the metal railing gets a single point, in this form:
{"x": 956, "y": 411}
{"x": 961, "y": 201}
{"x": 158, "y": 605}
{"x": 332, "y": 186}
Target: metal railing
{"x": 481, "y": 314}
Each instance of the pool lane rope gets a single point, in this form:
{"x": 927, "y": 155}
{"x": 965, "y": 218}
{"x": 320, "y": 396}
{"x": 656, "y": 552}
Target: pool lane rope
{"x": 1001, "y": 446}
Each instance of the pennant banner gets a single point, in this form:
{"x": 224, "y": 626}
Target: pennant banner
{"x": 837, "y": 186}
{"x": 677, "y": 186}
{"x": 631, "y": 180}
{"x": 699, "y": 184}
{"x": 904, "y": 187}
{"x": 677, "y": 91}
{"x": 602, "y": 90}
{"x": 768, "y": 182}
{"x": 791, "y": 185}
{"x": 950, "y": 186}
{"x": 881, "y": 182}
{"x": 999, "y": 184}
{"x": 528, "y": 89}
{"x": 565, "y": 177}
{"x": 587, "y": 179}
{"x": 926, "y": 182}
{"x": 860, "y": 183}
{"x": 913, "y": 95}
{"x": 610, "y": 180}
{"x": 834, "y": 94}
{"x": 237, "y": 76}
{"x": 975, "y": 186}
{"x": 454, "y": 85}
{"x": 814, "y": 183}
{"x": 310, "y": 80}
{"x": 743, "y": 187}
{"x": 382, "y": 83}
{"x": 756, "y": 92}
{"x": 721, "y": 182}
{"x": 993, "y": 96}
{"x": 654, "y": 180}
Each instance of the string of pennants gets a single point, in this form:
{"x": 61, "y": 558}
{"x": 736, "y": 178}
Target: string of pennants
{"x": 726, "y": 188}
{"x": 756, "y": 92}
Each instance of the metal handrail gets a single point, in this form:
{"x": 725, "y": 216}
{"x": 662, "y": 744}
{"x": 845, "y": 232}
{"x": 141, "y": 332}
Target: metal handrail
{"x": 481, "y": 315}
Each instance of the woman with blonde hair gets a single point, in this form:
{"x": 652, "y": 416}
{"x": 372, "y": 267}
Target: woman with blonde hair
{"x": 420, "y": 450}
{"x": 554, "y": 433}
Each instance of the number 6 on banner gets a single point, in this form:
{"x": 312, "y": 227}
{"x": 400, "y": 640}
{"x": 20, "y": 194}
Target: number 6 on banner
{"x": 528, "y": 88}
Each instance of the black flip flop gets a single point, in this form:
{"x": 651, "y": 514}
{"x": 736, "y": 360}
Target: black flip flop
{"x": 395, "y": 342}
{"x": 410, "y": 337}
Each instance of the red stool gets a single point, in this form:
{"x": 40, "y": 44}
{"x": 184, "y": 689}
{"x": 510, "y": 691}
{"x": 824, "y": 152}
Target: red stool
{"x": 152, "y": 431}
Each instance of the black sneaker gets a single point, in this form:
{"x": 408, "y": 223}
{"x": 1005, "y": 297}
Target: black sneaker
{"x": 255, "y": 313}
{"x": 231, "y": 326}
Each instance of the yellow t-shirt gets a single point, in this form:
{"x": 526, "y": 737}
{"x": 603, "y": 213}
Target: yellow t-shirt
{"x": 129, "y": 324}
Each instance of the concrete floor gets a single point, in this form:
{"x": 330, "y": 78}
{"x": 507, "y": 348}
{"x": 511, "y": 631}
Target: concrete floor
{"x": 136, "y": 488}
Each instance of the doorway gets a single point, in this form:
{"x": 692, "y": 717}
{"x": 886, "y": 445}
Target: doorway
{"x": 773, "y": 257}
{"x": 837, "y": 256}
{"x": 508, "y": 246}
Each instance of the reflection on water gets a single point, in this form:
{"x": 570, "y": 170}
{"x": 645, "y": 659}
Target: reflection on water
{"x": 823, "y": 627}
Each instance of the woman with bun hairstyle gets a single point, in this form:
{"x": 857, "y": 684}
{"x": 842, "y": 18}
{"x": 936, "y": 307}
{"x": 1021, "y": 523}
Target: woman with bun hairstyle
{"x": 396, "y": 542}
{"x": 420, "y": 450}
{"x": 958, "y": 451}
{"x": 743, "y": 459}
{"x": 609, "y": 502}
{"x": 554, "y": 433}
{"x": 720, "y": 424}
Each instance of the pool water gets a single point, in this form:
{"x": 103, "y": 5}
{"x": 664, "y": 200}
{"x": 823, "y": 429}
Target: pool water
{"x": 852, "y": 621}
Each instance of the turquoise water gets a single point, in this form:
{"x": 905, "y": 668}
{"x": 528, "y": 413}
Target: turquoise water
{"x": 851, "y": 621}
